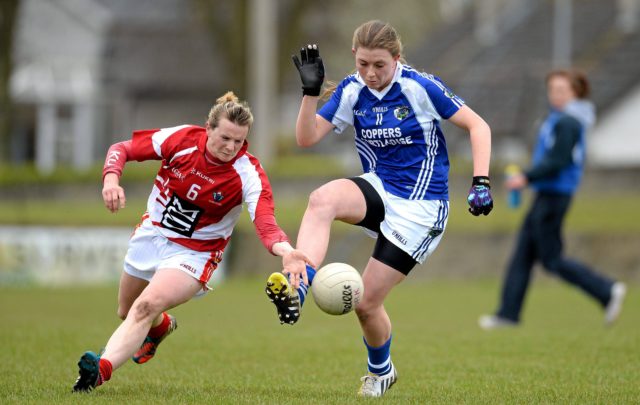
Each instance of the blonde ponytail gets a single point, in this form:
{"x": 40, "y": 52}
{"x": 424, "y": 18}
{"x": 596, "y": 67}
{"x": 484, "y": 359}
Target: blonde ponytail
{"x": 229, "y": 106}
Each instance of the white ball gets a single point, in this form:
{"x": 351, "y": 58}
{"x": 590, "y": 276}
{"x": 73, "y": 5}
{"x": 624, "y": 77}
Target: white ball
{"x": 337, "y": 288}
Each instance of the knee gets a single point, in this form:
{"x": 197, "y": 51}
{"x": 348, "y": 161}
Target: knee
{"x": 122, "y": 312}
{"x": 321, "y": 203}
{"x": 365, "y": 309}
{"x": 145, "y": 308}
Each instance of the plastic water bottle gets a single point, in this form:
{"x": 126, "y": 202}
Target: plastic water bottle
{"x": 514, "y": 197}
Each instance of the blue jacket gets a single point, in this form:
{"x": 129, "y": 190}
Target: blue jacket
{"x": 558, "y": 158}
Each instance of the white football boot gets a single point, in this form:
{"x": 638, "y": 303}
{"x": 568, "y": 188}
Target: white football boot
{"x": 491, "y": 322}
{"x": 374, "y": 385}
{"x": 613, "y": 308}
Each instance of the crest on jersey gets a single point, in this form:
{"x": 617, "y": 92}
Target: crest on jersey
{"x": 401, "y": 112}
{"x": 217, "y": 196}
{"x": 449, "y": 93}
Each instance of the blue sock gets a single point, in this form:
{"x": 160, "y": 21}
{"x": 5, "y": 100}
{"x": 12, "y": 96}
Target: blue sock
{"x": 303, "y": 289}
{"x": 379, "y": 361}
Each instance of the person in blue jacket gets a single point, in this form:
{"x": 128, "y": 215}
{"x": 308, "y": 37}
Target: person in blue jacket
{"x": 557, "y": 167}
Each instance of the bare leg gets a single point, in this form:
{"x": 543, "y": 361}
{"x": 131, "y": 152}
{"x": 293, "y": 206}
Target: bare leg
{"x": 378, "y": 280}
{"x": 167, "y": 289}
{"x": 339, "y": 199}
{"x": 130, "y": 288}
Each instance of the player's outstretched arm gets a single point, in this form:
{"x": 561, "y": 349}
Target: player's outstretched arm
{"x": 293, "y": 263}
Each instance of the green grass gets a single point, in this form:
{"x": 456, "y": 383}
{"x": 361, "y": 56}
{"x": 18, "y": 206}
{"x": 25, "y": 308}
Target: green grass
{"x": 229, "y": 348}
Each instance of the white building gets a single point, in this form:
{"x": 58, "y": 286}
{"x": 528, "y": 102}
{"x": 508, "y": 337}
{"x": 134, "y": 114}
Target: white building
{"x": 88, "y": 72}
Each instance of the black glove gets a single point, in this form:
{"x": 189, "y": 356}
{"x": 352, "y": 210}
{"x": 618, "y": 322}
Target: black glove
{"x": 311, "y": 69}
{"x": 479, "y": 198}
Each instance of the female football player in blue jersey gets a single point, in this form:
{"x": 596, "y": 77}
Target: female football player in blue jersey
{"x": 555, "y": 175}
{"x": 402, "y": 197}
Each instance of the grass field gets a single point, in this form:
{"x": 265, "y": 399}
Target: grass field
{"x": 229, "y": 348}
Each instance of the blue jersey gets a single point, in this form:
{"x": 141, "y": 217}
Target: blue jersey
{"x": 397, "y": 130}
{"x": 567, "y": 180}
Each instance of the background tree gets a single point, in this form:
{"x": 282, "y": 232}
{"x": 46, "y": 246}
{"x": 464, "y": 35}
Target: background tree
{"x": 226, "y": 22}
{"x": 8, "y": 9}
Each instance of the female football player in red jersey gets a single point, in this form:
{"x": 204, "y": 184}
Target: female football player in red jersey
{"x": 205, "y": 177}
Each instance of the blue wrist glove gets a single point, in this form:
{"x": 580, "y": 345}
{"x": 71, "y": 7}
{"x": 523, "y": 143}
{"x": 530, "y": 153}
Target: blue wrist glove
{"x": 479, "y": 198}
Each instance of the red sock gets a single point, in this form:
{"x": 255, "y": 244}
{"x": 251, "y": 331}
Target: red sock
{"x": 105, "y": 371}
{"x": 161, "y": 329}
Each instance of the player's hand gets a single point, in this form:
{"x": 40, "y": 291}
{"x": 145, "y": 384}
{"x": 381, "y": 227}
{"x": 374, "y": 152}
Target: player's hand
{"x": 516, "y": 182}
{"x": 311, "y": 69}
{"x": 294, "y": 266}
{"x": 112, "y": 193}
{"x": 479, "y": 198}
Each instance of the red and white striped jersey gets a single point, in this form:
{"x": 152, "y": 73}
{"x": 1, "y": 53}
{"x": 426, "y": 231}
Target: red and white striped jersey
{"x": 196, "y": 203}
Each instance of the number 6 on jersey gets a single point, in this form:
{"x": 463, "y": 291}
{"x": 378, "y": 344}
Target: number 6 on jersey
{"x": 192, "y": 194}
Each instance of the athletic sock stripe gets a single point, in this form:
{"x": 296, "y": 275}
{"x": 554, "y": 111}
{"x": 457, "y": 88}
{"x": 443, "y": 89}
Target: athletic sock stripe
{"x": 380, "y": 371}
{"x": 384, "y": 364}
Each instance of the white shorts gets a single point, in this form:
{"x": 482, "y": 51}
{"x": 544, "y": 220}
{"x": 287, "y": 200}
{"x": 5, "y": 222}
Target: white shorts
{"x": 414, "y": 226}
{"x": 149, "y": 251}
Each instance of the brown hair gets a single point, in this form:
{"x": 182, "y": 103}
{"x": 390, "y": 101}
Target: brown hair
{"x": 577, "y": 79}
{"x": 228, "y": 106}
{"x": 374, "y": 34}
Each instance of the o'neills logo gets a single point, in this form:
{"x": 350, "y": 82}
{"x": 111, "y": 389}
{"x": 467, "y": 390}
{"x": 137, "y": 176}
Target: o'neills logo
{"x": 347, "y": 299}
{"x": 188, "y": 267}
{"x": 350, "y": 298}
{"x": 399, "y": 237}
